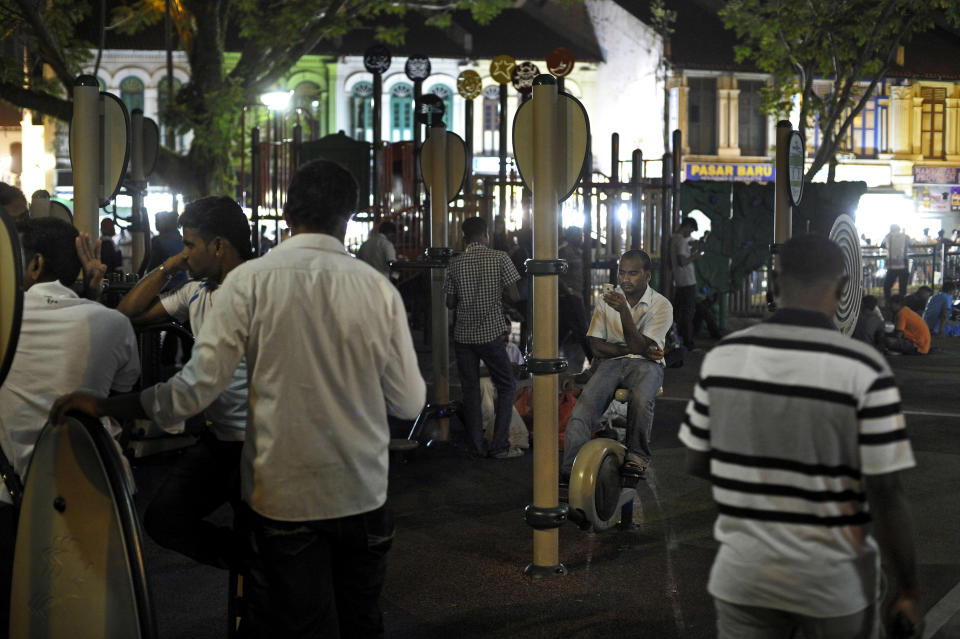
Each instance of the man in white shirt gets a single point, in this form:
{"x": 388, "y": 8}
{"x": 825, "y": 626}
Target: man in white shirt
{"x": 65, "y": 343}
{"x": 216, "y": 239}
{"x": 379, "y": 250}
{"x": 626, "y": 335}
{"x": 897, "y": 244}
{"x": 685, "y": 279}
{"x": 329, "y": 355}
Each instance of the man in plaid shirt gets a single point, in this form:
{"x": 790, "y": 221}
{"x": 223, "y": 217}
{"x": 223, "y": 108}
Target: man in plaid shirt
{"x": 475, "y": 283}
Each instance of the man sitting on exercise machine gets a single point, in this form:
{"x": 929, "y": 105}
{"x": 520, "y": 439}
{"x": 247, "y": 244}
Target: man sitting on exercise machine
{"x": 626, "y": 334}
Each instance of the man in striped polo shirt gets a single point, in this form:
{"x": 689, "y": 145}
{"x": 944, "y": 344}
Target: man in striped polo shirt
{"x": 800, "y": 432}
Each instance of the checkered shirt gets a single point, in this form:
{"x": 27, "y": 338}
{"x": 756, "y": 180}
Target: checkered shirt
{"x": 477, "y": 277}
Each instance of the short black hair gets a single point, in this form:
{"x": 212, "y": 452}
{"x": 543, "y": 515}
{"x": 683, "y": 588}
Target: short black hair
{"x": 925, "y": 288}
{"x": 322, "y": 195}
{"x": 55, "y": 240}
{"x": 473, "y": 227}
{"x": 869, "y": 302}
{"x": 810, "y": 258}
{"x": 641, "y": 255}
{"x": 947, "y": 287}
{"x": 10, "y": 194}
{"x": 896, "y": 299}
{"x": 219, "y": 216}
{"x": 689, "y": 221}
{"x": 387, "y": 228}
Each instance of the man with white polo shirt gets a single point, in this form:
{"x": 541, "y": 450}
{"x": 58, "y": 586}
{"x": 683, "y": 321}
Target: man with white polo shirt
{"x": 66, "y": 342}
{"x": 329, "y": 355}
{"x": 626, "y": 335}
{"x": 799, "y": 430}
{"x": 216, "y": 239}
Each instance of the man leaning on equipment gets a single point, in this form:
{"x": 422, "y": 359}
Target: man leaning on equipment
{"x": 329, "y": 355}
{"x": 799, "y": 430}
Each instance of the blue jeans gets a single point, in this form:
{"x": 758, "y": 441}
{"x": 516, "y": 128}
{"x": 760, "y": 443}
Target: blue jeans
{"x": 494, "y": 355}
{"x": 643, "y": 377}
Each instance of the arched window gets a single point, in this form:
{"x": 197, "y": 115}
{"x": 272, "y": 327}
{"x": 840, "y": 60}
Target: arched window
{"x": 162, "y": 98}
{"x": 491, "y": 120}
{"x": 131, "y": 92}
{"x": 101, "y": 83}
{"x": 361, "y": 111}
{"x": 443, "y": 92}
{"x": 401, "y": 112}
{"x": 308, "y": 99}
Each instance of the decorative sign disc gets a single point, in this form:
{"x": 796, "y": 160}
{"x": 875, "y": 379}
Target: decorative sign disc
{"x": 844, "y": 233}
{"x": 560, "y": 62}
{"x": 795, "y": 157}
{"x": 376, "y": 59}
{"x": 417, "y": 67}
{"x": 469, "y": 84}
{"x": 430, "y": 110}
{"x": 523, "y": 75}
{"x": 573, "y": 130}
{"x": 501, "y": 68}
{"x": 454, "y": 161}
{"x": 11, "y": 292}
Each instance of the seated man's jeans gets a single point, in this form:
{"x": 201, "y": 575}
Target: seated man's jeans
{"x": 319, "y": 578}
{"x": 643, "y": 377}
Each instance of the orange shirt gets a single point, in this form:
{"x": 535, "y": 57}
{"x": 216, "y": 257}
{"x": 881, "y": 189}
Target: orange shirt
{"x": 914, "y": 329}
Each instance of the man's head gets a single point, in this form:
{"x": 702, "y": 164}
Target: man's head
{"x": 389, "y": 231}
{"x": 811, "y": 274}
{"x": 474, "y": 230}
{"x": 868, "y": 303}
{"x": 49, "y": 250}
{"x": 896, "y": 303}
{"x": 13, "y": 201}
{"x": 948, "y": 287}
{"x": 216, "y": 234}
{"x": 320, "y": 199}
{"x": 573, "y": 235}
{"x": 894, "y": 228}
{"x": 687, "y": 226}
{"x": 634, "y": 273}
{"x": 107, "y": 227}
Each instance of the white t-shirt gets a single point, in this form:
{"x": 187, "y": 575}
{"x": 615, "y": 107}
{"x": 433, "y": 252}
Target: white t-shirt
{"x": 680, "y": 247}
{"x": 896, "y": 245}
{"x": 378, "y": 252}
{"x": 228, "y": 413}
{"x": 66, "y": 344}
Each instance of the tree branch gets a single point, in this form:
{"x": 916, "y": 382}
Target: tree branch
{"x": 43, "y": 102}
{"x": 48, "y": 44}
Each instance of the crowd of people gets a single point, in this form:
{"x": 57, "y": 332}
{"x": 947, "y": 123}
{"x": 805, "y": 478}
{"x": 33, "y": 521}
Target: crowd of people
{"x": 298, "y": 445}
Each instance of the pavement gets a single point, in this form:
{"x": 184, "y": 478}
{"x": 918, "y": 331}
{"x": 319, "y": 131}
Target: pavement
{"x": 456, "y": 568}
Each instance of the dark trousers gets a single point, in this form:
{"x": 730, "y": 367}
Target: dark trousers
{"x": 685, "y": 305}
{"x": 899, "y": 275}
{"x": 204, "y": 478}
{"x": 8, "y": 537}
{"x": 317, "y": 578}
{"x": 703, "y": 314}
{"x": 494, "y": 355}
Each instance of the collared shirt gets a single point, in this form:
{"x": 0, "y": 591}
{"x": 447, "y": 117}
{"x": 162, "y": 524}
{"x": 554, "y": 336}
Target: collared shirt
{"x": 66, "y": 344}
{"x": 652, "y": 314}
{"x": 378, "y": 252}
{"x": 680, "y": 247}
{"x": 228, "y": 412}
{"x": 478, "y": 277}
{"x": 793, "y": 414}
{"x": 329, "y": 353}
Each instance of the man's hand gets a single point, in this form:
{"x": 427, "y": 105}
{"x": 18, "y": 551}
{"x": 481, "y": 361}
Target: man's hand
{"x": 83, "y": 402}
{"x": 655, "y": 352}
{"x": 903, "y": 620}
{"x": 176, "y": 263}
{"x": 93, "y": 268}
{"x": 616, "y": 301}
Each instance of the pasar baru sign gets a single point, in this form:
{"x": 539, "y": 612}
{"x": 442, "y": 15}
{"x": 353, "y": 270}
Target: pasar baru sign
{"x": 727, "y": 172}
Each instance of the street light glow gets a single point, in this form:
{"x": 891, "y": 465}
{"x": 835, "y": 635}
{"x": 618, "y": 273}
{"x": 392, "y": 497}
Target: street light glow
{"x": 276, "y": 100}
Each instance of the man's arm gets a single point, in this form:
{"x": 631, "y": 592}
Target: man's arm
{"x": 403, "y": 387}
{"x": 141, "y": 304}
{"x": 698, "y": 463}
{"x": 604, "y": 349}
{"x": 894, "y": 530}
{"x": 637, "y": 342}
{"x": 944, "y": 316}
{"x": 451, "y": 301}
{"x": 512, "y": 293}
{"x": 120, "y": 406}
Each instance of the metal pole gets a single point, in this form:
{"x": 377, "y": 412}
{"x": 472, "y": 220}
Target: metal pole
{"x": 86, "y": 167}
{"x": 782, "y": 211}
{"x": 503, "y": 152}
{"x": 439, "y": 237}
{"x": 545, "y": 387}
{"x": 588, "y": 248}
{"x": 468, "y": 147}
{"x": 417, "y": 138}
{"x": 377, "y": 140}
{"x": 666, "y": 228}
{"x": 169, "y": 133}
{"x": 613, "y": 200}
{"x": 675, "y": 182}
{"x": 636, "y": 228}
{"x": 255, "y": 187}
{"x": 136, "y": 187}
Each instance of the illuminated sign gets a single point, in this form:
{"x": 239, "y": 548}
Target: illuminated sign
{"x": 936, "y": 175}
{"x": 728, "y": 172}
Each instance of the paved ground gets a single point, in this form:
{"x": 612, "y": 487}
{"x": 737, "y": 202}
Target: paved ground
{"x": 456, "y": 568}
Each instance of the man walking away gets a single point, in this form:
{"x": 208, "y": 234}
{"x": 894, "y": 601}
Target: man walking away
{"x": 799, "y": 430}
{"x": 685, "y": 293}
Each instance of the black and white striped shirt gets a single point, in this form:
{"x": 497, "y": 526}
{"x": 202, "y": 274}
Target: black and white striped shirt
{"x": 793, "y": 414}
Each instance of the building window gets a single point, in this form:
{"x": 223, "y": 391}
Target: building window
{"x": 361, "y": 111}
{"x": 444, "y": 93}
{"x": 752, "y": 119}
{"x": 491, "y": 120}
{"x": 702, "y": 116}
{"x": 308, "y": 100}
{"x": 131, "y": 93}
{"x": 864, "y": 138}
{"x": 931, "y": 122}
{"x": 165, "y": 127}
{"x": 401, "y": 112}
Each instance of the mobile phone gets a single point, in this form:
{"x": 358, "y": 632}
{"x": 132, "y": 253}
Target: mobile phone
{"x": 608, "y": 288}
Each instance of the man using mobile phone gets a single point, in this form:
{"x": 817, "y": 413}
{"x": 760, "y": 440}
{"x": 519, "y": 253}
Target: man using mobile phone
{"x": 626, "y": 334}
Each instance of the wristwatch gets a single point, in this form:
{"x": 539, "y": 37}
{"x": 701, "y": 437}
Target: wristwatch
{"x": 167, "y": 275}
